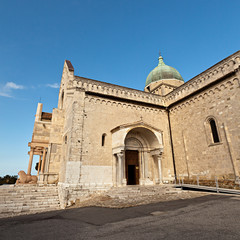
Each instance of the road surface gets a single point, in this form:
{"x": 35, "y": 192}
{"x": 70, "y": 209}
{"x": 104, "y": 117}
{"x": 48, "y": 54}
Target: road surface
{"x": 213, "y": 216}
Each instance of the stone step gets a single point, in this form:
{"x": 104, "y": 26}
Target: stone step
{"x": 27, "y": 190}
{"x": 28, "y": 196}
{"x": 22, "y": 211}
{"x": 16, "y": 201}
{"x": 28, "y": 193}
{"x": 32, "y": 202}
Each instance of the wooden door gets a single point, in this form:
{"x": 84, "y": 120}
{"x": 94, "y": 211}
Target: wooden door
{"x": 132, "y": 167}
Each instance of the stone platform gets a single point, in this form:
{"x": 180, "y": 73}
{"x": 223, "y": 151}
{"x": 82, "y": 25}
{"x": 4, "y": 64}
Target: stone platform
{"x": 28, "y": 199}
{"x": 130, "y": 196}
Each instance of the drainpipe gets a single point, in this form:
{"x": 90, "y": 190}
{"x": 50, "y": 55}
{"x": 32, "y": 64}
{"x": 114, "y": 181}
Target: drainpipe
{"x": 171, "y": 142}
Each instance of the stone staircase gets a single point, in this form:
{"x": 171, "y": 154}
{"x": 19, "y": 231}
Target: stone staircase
{"x": 26, "y": 199}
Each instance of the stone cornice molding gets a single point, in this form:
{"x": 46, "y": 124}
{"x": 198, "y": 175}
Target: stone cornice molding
{"x": 95, "y": 86}
{"x": 223, "y": 68}
{"x": 228, "y": 67}
{"x": 119, "y": 149}
{"x": 135, "y": 125}
{"x": 115, "y": 103}
{"x": 229, "y": 84}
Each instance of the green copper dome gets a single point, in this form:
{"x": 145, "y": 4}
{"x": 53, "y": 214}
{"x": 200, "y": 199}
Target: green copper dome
{"x": 163, "y": 71}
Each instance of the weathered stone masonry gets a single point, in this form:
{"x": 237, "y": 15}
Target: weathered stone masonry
{"x": 172, "y": 128}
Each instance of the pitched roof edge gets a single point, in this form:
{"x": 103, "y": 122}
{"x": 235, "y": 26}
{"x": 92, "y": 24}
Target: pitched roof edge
{"x": 69, "y": 65}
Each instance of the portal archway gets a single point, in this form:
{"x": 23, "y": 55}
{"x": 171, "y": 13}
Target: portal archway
{"x": 140, "y": 165}
{"x": 137, "y": 151}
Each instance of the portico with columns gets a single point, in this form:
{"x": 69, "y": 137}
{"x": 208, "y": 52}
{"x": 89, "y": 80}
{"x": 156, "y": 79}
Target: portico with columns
{"x": 40, "y": 143}
{"x": 41, "y": 151}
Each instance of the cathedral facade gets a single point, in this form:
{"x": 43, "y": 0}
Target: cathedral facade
{"x": 103, "y": 135}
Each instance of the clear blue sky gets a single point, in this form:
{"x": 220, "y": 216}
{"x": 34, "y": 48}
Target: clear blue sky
{"x": 112, "y": 41}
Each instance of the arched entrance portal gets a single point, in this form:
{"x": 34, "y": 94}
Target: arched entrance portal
{"x": 140, "y": 163}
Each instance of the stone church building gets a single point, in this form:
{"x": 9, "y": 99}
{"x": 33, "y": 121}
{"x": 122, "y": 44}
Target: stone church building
{"x": 103, "y": 135}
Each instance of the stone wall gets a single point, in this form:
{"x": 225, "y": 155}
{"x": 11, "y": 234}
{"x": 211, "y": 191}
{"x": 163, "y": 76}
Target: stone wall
{"x": 163, "y": 87}
{"x": 41, "y": 131}
{"x": 102, "y": 115}
{"x": 108, "y": 89}
{"x": 194, "y": 149}
{"x": 55, "y": 146}
{"x": 220, "y": 70}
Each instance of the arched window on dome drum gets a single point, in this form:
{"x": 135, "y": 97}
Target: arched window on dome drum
{"x": 213, "y": 126}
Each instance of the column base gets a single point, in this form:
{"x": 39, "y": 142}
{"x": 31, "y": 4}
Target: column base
{"x": 158, "y": 181}
{"x": 146, "y": 182}
{"x": 41, "y": 178}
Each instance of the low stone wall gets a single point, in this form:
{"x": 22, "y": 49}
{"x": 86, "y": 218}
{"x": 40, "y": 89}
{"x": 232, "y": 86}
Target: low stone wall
{"x": 70, "y": 193}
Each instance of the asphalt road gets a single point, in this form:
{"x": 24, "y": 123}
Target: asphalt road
{"x": 207, "y": 217}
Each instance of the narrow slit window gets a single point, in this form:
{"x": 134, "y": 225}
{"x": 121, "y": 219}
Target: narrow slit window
{"x": 214, "y": 131}
{"x": 62, "y": 99}
{"x": 103, "y": 139}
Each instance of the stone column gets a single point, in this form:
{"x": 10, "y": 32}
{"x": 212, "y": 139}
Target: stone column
{"x": 124, "y": 180}
{"x": 157, "y": 156}
{"x": 120, "y": 168}
{"x": 142, "y": 164}
{"x": 43, "y": 160}
{"x": 30, "y": 162}
{"x": 115, "y": 169}
{"x": 146, "y": 164}
{"x": 159, "y": 168}
{"x": 39, "y": 163}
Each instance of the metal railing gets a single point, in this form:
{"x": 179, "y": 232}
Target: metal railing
{"x": 203, "y": 183}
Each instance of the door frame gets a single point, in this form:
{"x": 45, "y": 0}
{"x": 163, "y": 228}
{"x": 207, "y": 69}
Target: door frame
{"x": 136, "y": 168}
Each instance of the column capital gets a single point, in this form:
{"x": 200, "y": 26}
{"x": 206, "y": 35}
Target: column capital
{"x": 118, "y": 149}
{"x": 120, "y": 155}
{"x": 157, "y": 152}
